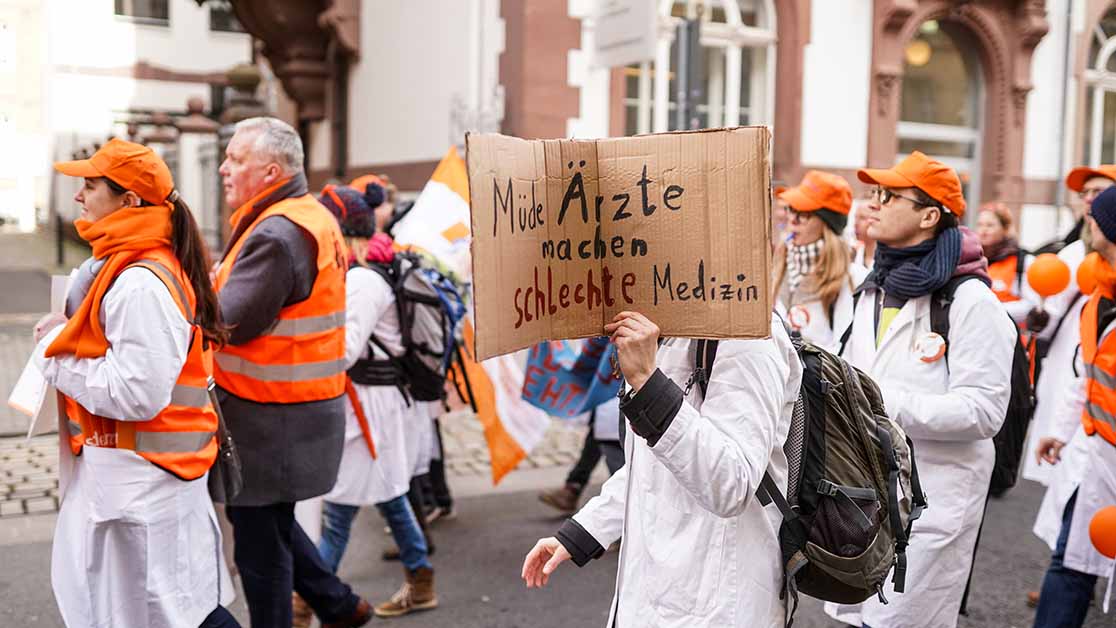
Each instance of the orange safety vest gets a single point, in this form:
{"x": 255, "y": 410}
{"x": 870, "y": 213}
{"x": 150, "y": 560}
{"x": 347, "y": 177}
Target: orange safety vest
{"x": 1099, "y": 415}
{"x": 182, "y": 437}
{"x": 302, "y": 357}
{"x": 1004, "y": 274}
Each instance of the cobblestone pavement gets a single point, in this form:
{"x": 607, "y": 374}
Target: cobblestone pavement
{"x": 29, "y": 468}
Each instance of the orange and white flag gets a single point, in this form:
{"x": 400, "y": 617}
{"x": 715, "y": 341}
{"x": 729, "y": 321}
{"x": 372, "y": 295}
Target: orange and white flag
{"x": 438, "y": 223}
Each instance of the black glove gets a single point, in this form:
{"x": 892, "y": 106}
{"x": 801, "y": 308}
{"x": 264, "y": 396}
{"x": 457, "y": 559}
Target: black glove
{"x": 1037, "y": 320}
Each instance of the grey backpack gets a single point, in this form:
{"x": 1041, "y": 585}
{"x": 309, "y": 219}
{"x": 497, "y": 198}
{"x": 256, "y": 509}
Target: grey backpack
{"x": 852, "y": 486}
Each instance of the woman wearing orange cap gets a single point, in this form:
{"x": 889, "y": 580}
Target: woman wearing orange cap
{"x": 1007, "y": 263}
{"x": 950, "y": 405}
{"x": 814, "y": 278}
{"x": 137, "y": 541}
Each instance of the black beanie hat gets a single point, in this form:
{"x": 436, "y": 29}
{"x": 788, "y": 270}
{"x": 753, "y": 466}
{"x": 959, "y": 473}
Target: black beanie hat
{"x": 348, "y": 206}
{"x": 1103, "y": 211}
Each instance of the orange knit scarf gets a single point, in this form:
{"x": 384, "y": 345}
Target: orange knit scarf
{"x": 122, "y": 237}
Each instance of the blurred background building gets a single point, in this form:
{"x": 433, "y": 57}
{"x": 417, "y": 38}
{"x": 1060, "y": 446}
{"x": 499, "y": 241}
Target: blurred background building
{"x": 1012, "y": 93}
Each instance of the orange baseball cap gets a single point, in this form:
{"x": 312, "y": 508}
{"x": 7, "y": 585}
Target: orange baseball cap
{"x": 938, "y": 180}
{"x": 819, "y": 190}
{"x": 1077, "y": 177}
{"x": 132, "y": 166}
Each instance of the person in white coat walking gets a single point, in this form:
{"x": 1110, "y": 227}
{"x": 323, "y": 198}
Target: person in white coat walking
{"x": 814, "y": 277}
{"x": 951, "y": 405}
{"x": 376, "y": 464}
{"x": 699, "y": 549}
{"x": 1060, "y": 376}
{"x": 1067, "y": 589}
{"x": 137, "y": 543}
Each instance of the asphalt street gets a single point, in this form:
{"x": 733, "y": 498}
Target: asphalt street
{"x": 479, "y": 556}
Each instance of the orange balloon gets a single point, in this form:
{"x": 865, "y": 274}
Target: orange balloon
{"x": 1048, "y": 275}
{"x": 1086, "y": 273}
{"x": 1102, "y": 531}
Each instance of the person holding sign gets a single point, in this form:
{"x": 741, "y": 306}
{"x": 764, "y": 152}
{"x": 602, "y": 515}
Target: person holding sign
{"x": 814, "y": 279}
{"x": 379, "y": 424}
{"x": 137, "y": 541}
{"x": 949, "y": 394}
{"x": 1067, "y": 589}
{"x": 699, "y": 548}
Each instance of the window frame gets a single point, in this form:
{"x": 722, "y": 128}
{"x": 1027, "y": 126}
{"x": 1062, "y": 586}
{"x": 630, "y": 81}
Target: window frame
{"x": 135, "y": 19}
{"x": 653, "y": 105}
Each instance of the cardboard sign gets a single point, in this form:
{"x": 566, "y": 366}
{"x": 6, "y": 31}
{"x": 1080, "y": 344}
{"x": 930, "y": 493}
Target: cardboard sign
{"x": 568, "y": 233}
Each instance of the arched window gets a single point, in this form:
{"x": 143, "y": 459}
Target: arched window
{"x": 1100, "y": 141}
{"x": 738, "y": 41}
{"x": 942, "y": 96}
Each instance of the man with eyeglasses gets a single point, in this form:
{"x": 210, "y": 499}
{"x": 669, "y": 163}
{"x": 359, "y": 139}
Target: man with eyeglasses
{"x": 950, "y": 407}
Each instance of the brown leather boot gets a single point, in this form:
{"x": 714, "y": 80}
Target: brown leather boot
{"x": 563, "y": 499}
{"x": 416, "y": 594}
{"x": 301, "y": 613}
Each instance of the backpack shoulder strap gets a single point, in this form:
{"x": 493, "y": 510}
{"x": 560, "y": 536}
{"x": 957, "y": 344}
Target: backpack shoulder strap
{"x": 848, "y": 330}
{"x": 704, "y": 357}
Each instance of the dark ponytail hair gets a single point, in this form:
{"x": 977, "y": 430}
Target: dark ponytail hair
{"x": 193, "y": 256}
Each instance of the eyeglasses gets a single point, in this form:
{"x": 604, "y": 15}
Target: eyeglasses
{"x": 885, "y": 196}
{"x": 1089, "y": 193}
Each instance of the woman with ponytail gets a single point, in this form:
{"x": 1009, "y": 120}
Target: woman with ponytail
{"x": 137, "y": 541}
{"x": 814, "y": 274}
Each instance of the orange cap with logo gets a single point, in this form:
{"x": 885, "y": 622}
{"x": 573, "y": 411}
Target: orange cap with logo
{"x": 819, "y": 190}
{"x": 937, "y": 180}
{"x": 1077, "y": 177}
{"x": 132, "y": 166}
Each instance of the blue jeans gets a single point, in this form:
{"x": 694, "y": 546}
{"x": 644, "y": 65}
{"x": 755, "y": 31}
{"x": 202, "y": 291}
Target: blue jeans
{"x": 1066, "y": 593}
{"x": 337, "y": 524}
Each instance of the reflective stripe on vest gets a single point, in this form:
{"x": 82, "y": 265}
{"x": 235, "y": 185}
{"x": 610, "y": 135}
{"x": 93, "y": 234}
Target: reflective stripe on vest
{"x": 172, "y": 442}
{"x": 307, "y": 325}
{"x": 279, "y": 372}
{"x": 181, "y": 437}
{"x": 1099, "y": 355}
{"x": 301, "y": 357}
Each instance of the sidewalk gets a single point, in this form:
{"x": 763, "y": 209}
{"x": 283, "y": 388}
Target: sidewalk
{"x": 29, "y": 468}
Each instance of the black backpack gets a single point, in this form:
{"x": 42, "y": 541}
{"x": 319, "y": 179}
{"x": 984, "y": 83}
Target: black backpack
{"x": 429, "y": 309}
{"x": 852, "y": 484}
{"x": 1011, "y": 439}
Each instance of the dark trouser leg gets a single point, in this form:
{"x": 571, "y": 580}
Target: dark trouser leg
{"x": 220, "y": 618}
{"x": 330, "y": 598}
{"x": 583, "y": 468}
{"x": 442, "y": 497}
{"x": 263, "y": 556}
{"x": 613, "y": 455}
{"x": 1064, "y": 600}
{"x": 415, "y": 497}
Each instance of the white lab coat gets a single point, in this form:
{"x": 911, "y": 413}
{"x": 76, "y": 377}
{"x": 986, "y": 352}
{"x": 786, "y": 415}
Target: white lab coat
{"x": 1056, "y": 378}
{"x": 699, "y": 550}
{"x": 951, "y": 416}
{"x": 1093, "y": 476}
{"x": 362, "y": 481}
{"x": 809, "y": 317}
{"x": 133, "y": 545}
{"x": 606, "y": 425}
